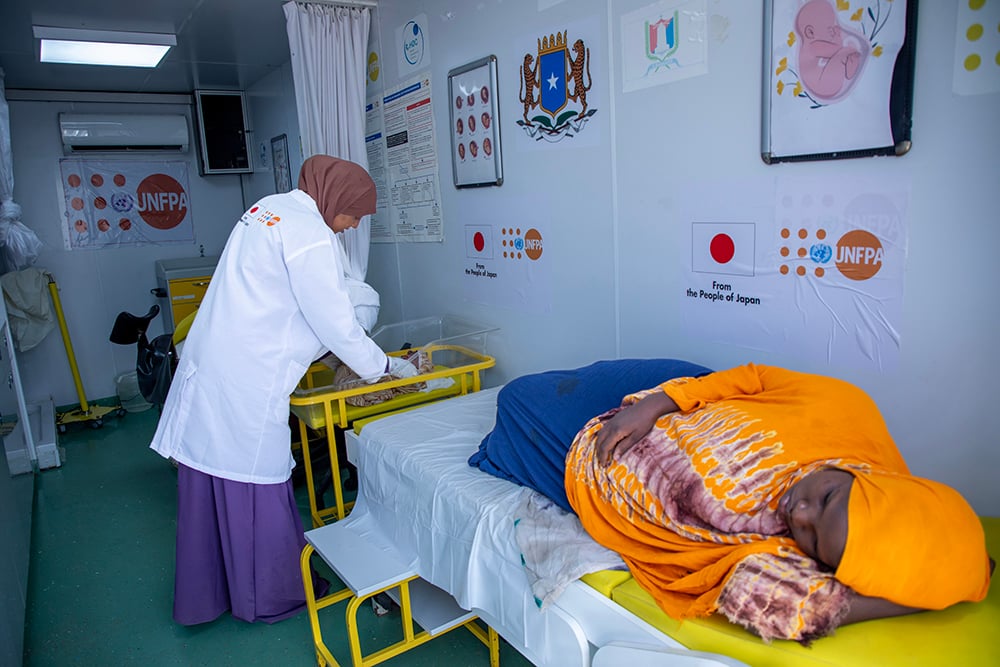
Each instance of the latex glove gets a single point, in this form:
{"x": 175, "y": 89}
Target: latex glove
{"x": 401, "y": 368}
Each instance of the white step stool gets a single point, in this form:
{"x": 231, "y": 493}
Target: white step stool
{"x": 368, "y": 565}
{"x": 44, "y": 447}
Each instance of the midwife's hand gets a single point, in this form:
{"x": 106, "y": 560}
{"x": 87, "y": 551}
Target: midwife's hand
{"x": 401, "y": 368}
{"x": 630, "y": 425}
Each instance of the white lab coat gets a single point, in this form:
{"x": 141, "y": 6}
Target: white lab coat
{"x": 276, "y": 303}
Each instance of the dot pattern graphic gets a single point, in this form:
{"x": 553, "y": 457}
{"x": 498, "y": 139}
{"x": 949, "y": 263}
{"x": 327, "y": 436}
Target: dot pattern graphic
{"x": 99, "y": 203}
{"x": 803, "y": 246}
{"x": 977, "y": 47}
{"x": 809, "y": 250}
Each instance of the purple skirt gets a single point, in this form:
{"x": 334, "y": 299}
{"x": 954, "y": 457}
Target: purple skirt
{"x": 238, "y": 548}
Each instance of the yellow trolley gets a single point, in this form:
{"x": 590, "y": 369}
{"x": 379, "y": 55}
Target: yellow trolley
{"x": 458, "y": 357}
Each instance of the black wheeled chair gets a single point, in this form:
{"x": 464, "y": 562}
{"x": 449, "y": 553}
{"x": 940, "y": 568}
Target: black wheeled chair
{"x": 156, "y": 359}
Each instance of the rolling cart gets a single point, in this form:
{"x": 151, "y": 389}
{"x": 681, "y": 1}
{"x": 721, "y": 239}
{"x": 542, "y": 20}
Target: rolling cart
{"x": 86, "y": 413}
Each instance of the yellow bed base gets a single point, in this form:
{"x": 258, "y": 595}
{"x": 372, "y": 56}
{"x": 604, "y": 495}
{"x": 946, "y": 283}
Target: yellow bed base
{"x": 965, "y": 634}
{"x": 320, "y": 407}
{"x": 411, "y": 639}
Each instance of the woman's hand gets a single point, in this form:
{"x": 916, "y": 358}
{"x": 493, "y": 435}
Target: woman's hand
{"x": 864, "y": 608}
{"x": 621, "y": 433}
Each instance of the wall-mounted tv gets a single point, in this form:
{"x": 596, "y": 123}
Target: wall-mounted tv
{"x": 223, "y": 132}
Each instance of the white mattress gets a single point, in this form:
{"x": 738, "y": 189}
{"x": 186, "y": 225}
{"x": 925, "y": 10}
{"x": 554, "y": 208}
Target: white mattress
{"x": 456, "y": 525}
{"x": 456, "y": 521}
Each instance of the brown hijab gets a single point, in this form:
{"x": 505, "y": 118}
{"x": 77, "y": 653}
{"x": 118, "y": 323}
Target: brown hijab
{"x": 338, "y": 186}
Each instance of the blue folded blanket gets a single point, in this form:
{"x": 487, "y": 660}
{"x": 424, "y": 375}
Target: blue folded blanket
{"x": 539, "y": 415}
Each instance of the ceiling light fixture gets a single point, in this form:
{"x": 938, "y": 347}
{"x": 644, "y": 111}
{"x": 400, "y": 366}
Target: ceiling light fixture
{"x": 77, "y": 46}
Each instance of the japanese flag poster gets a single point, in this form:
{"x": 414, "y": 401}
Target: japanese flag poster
{"x": 125, "y": 203}
{"x": 507, "y": 266}
{"x": 809, "y": 268}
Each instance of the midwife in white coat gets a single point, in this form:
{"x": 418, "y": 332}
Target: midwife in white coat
{"x": 277, "y": 302}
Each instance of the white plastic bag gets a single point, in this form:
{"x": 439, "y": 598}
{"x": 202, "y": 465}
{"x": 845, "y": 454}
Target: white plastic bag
{"x": 20, "y": 244}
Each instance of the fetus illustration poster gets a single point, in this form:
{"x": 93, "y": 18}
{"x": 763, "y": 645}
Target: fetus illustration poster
{"x": 838, "y": 78}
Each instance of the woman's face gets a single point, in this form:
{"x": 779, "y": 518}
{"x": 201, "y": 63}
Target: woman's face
{"x": 342, "y": 221}
{"x": 815, "y": 509}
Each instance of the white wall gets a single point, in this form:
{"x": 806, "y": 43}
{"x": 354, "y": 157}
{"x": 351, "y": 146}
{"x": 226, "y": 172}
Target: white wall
{"x": 612, "y": 212}
{"x": 95, "y": 285}
{"x": 566, "y": 192}
{"x": 271, "y": 107}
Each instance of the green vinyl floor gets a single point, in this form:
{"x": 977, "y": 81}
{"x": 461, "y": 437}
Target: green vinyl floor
{"x": 100, "y": 582}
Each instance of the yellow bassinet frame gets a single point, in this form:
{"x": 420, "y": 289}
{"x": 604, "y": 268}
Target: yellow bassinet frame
{"x": 326, "y": 409}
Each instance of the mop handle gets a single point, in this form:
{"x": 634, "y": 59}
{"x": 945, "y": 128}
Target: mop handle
{"x": 57, "y": 304}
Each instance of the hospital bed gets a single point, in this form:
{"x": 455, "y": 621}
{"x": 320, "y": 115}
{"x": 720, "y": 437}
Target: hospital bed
{"x": 453, "y": 526}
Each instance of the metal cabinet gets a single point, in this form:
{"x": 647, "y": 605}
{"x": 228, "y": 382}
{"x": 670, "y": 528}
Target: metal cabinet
{"x": 183, "y": 283}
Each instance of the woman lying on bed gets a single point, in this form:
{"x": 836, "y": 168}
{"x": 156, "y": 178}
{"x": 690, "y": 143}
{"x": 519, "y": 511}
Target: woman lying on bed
{"x": 775, "y": 497}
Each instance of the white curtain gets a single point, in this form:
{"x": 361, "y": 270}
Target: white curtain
{"x": 20, "y": 245}
{"x": 328, "y": 47}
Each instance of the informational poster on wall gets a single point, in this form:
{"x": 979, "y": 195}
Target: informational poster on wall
{"x": 380, "y": 223}
{"x": 410, "y": 165}
{"x": 664, "y": 42}
{"x": 838, "y": 78}
{"x": 977, "y": 48}
{"x": 506, "y": 266}
{"x": 413, "y": 46}
{"x": 110, "y": 203}
{"x": 809, "y": 268}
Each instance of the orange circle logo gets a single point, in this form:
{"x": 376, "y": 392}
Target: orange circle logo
{"x": 859, "y": 255}
{"x": 533, "y": 243}
{"x": 163, "y": 203}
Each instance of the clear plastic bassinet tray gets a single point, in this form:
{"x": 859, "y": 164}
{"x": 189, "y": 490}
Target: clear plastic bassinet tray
{"x": 453, "y": 354}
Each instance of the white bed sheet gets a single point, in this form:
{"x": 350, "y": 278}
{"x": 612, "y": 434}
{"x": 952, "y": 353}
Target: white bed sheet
{"x": 456, "y": 525}
{"x": 453, "y": 520}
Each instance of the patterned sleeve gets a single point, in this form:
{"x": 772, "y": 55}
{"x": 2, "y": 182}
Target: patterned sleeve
{"x": 691, "y": 393}
{"x": 784, "y": 597}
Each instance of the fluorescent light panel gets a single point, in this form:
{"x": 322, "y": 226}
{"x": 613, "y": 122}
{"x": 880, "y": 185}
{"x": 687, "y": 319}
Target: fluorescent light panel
{"x": 102, "y": 47}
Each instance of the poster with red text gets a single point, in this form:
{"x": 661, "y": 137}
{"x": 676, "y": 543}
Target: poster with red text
{"x": 125, "y": 203}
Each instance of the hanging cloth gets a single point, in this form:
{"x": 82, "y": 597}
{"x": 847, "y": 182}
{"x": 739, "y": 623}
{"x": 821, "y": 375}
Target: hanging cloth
{"x": 29, "y": 306}
{"x": 329, "y": 66}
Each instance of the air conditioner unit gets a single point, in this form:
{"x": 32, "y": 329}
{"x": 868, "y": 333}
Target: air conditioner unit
{"x": 118, "y": 133}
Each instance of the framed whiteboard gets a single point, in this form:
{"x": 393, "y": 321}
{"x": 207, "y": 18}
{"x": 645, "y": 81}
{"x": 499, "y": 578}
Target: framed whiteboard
{"x": 837, "y": 79}
{"x": 475, "y": 126}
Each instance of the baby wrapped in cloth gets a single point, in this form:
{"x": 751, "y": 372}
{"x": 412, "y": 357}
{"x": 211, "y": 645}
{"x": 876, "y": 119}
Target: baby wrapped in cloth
{"x": 345, "y": 378}
{"x": 693, "y": 508}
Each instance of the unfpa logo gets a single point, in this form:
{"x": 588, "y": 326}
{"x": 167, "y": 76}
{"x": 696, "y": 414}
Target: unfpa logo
{"x": 263, "y": 216}
{"x": 517, "y": 246}
{"x": 858, "y": 254}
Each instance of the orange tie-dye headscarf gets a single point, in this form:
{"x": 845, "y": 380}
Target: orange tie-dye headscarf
{"x": 913, "y": 541}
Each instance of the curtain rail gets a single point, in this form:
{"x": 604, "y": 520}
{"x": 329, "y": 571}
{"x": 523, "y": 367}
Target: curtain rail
{"x": 340, "y": 3}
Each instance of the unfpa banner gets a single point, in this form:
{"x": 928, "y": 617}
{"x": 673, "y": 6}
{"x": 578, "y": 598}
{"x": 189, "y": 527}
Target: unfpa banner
{"x": 807, "y": 268}
{"x": 125, "y": 203}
